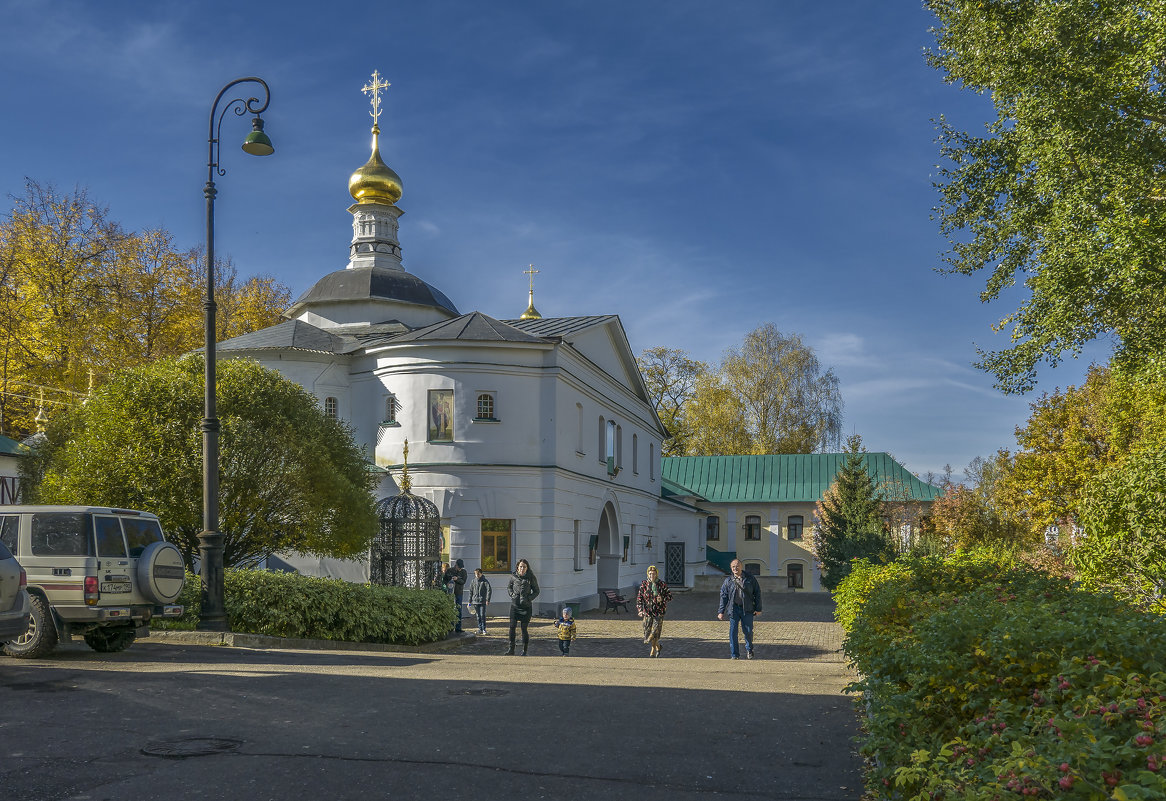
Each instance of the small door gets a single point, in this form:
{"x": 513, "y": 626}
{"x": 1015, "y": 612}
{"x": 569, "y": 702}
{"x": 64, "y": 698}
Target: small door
{"x": 674, "y": 563}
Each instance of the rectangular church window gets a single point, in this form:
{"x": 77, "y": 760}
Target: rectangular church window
{"x": 440, "y": 415}
{"x": 496, "y": 545}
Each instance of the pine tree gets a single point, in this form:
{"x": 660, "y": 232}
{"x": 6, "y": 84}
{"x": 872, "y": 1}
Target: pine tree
{"x": 850, "y": 520}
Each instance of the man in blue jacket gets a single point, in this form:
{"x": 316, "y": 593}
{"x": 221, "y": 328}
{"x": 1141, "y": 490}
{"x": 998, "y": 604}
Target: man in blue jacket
{"x": 741, "y": 599}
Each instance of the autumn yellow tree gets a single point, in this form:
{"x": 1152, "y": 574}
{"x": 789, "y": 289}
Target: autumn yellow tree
{"x": 671, "y": 377}
{"x": 771, "y": 395}
{"x": 81, "y": 298}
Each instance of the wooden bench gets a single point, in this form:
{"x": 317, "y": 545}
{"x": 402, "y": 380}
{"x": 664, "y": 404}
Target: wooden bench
{"x": 613, "y": 600}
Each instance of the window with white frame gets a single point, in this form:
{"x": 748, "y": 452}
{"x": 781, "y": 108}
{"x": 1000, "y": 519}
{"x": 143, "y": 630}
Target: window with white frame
{"x": 391, "y": 410}
{"x": 331, "y": 408}
{"x": 752, "y": 527}
{"x": 602, "y": 449}
{"x": 485, "y": 409}
{"x": 619, "y": 447}
{"x": 793, "y": 572}
{"x": 793, "y": 527}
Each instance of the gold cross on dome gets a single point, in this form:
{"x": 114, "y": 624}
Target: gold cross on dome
{"x": 531, "y": 272}
{"x": 374, "y": 88}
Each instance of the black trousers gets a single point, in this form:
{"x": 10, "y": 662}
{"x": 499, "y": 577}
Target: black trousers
{"x": 518, "y": 616}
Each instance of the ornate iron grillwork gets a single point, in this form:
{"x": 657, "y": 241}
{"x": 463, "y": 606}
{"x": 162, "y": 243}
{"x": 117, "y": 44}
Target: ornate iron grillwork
{"x": 407, "y": 550}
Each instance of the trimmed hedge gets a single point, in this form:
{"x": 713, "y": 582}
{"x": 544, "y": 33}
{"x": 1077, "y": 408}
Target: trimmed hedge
{"x": 986, "y": 682}
{"x": 306, "y": 607}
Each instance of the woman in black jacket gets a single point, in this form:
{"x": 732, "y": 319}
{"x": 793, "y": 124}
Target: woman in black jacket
{"x": 523, "y": 589}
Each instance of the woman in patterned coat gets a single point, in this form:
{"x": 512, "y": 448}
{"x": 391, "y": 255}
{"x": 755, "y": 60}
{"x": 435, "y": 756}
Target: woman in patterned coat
{"x": 651, "y": 603}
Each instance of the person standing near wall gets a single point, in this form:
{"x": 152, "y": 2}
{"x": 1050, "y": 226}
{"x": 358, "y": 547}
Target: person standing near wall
{"x": 741, "y": 599}
{"x": 523, "y": 589}
{"x": 480, "y": 591}
{"x": 651, "y": 603}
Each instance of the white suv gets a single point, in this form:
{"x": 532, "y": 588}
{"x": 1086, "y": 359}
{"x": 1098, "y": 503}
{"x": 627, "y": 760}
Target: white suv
{"x": 98, "y": 572}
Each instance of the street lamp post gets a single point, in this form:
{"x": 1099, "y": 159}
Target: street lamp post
{"x": 210, "y": 541}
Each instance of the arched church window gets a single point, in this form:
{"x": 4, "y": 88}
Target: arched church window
{"x": 391, "y": 409}
{"x": 485, "y": 406}
{"x": 330, "y": 407}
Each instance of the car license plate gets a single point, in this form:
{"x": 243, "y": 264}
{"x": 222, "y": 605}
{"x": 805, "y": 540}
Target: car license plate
{"x": 115, "y": 586}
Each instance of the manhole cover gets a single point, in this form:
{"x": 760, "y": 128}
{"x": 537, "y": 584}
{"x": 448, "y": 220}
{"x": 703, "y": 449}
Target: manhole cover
{"x": 191, "y": 747}
{"x": 488, "y": 692}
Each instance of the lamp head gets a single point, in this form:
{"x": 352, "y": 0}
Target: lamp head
{"x": 257, "y": 142}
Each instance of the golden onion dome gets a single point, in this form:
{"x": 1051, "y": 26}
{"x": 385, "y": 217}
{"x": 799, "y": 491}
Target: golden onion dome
{"x": 375, "y": 182}
{"x": 531, "y": 312}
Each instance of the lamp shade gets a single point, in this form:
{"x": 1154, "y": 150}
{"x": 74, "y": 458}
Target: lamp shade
{"x": 257, "y": 142}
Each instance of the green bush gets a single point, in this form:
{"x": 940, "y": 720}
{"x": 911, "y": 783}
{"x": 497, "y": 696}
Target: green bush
{"x": 986, "y": 684}
{"x": 305, "y": 607}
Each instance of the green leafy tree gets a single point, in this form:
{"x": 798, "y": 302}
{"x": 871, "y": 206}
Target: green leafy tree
{"x": 291, "y": 478}
{"x": 850, "y": 520}
{"x": 671, "y": 378}
{"x": 1123, "y": 517}
{"x": 1065, "y": 191}
{"x": 769, "y": 396}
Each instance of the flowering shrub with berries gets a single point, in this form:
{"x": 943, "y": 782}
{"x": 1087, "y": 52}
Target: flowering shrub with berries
{"x": 987, "y": 682}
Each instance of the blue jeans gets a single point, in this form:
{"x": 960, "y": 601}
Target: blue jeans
{"x": 737, "y": 617}
{"x": 480, "y": 612}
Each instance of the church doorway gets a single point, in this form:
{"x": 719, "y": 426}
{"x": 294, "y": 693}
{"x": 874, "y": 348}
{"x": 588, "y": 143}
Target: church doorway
{"x": 608, "y": 552}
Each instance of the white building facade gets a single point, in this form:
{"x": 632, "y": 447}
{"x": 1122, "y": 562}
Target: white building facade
{"x": 535, "y": 438}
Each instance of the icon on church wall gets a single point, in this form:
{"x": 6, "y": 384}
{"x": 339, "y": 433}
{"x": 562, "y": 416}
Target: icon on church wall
{"x": 441, "y": 415}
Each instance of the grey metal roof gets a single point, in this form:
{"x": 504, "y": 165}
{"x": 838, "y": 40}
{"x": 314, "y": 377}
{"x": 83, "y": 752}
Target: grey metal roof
{"x": 559, "y": 326}
{"x": 475, "y": 327}
{"x": 290, "y": 335}
{"x": 373, "y": 283}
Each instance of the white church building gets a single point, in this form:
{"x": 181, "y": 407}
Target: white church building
{"x": 534, "y": 437}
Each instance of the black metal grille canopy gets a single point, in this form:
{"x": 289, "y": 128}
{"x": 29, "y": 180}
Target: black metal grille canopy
{"x": 407, "y": 549}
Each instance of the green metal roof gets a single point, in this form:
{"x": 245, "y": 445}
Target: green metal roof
{"x": 783, "y": 478}
{"x": 10, "y": 447}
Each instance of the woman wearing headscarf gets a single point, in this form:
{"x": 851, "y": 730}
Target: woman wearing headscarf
{"x": 651, "y": 603}
{"x": 523, "y": 589}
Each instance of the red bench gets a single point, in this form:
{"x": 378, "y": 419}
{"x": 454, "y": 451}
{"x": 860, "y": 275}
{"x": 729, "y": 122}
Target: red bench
{"x": 613, "y": 600}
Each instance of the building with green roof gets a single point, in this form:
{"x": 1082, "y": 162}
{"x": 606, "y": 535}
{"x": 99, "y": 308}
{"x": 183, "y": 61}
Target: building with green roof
{"x": 761, "y": 509}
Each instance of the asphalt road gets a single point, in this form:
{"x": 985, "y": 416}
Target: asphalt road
{"x": 167, "y": 720}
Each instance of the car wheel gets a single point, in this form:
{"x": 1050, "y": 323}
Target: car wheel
{"x": 41, "y": 636}
{"x": 110, "y": 639}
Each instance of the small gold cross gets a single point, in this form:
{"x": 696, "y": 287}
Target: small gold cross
{"x": 531, "y": 272}
{"x": 375, "y": 87}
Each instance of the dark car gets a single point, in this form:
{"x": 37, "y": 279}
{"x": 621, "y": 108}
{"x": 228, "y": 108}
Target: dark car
{"x": 14, "y": 604}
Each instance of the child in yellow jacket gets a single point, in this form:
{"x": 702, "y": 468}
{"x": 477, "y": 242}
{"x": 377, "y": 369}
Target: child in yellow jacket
{"x": 566, "y": 626}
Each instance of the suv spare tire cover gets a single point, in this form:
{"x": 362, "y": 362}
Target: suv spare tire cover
{"x": 161, "y": 572}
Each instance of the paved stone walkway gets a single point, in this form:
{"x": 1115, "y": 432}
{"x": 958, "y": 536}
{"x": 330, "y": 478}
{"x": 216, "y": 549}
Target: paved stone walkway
{"x": 792, "y": 627}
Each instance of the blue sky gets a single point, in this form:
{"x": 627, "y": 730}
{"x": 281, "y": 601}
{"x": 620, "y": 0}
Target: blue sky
{"x": 698, "y": 169}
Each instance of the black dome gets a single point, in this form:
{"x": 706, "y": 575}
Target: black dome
{"x": 374, "y": 283}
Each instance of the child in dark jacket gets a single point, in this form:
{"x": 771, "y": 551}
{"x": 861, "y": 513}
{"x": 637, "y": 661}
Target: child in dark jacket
{"x": 566, "y": 626}
{"x": 480, "y": 591}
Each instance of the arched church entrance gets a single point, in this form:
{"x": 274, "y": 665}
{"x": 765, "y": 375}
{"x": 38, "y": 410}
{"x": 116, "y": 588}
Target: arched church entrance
{"x": 608, "y": 551}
